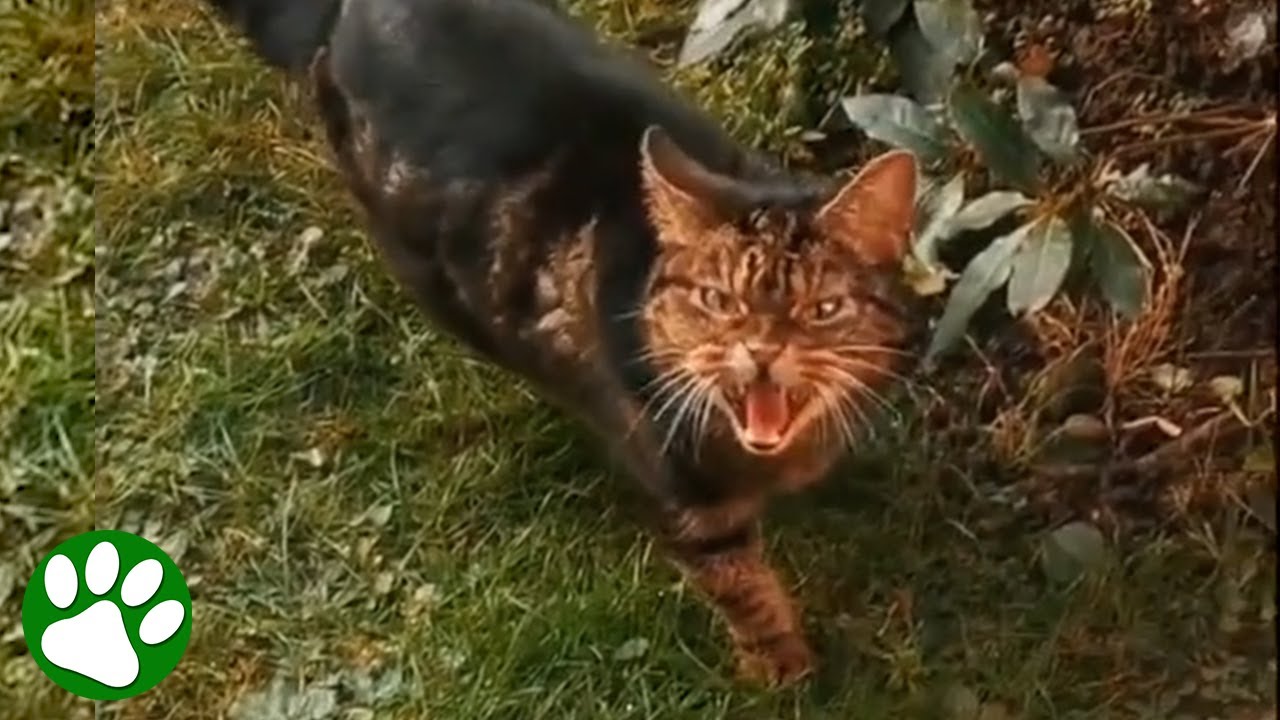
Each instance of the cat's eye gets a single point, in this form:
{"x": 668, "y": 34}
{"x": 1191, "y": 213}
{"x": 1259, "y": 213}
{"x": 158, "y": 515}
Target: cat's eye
{"x": 713, "y": 299}
{"x": 826, "y": 309}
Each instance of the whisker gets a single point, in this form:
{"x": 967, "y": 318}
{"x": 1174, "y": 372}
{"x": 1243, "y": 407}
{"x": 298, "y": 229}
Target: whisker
{"x": 838, "y": 406}
{"x": 855, "y": 383}
{"x": 880, "y": 369}
{"x": 671, "y": 385}
{"x": 863, "y": 423}
{"x": 822, "y": 420}
{"x": 702, "y": 420}
{"x": 899, "y": 352}
{"x": 653, "y": 354}
{"x": 690, "y": 392}
{"x": 911, "y": 386}
{"x": 674, "y": 392}
{"x": 661, "y": 380}
{"x": 629, "y": 314}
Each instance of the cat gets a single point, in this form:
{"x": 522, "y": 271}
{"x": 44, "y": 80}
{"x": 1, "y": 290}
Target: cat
{"x": 546, "y": 200}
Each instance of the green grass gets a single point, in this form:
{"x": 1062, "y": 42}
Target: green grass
{"x": 375, "y": 525}
{"x": 46, "y": 316}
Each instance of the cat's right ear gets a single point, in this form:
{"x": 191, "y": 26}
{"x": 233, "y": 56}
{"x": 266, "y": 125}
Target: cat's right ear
{"x": 679, "y": 192}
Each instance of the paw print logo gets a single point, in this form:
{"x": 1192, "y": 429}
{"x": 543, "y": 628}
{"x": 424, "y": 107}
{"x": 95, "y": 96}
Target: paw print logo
{"x": 107, "y": 615}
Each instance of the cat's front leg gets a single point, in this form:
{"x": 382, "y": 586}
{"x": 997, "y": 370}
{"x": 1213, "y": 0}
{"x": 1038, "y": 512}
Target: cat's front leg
{"x": 725, "y": 562}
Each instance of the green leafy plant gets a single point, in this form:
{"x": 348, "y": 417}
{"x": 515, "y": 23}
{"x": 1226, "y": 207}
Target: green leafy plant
{"x": 927, "y": 40}
{"x": 1061, "y": 203}
{"x": 1064, "y": 201}
{"x": 1032, "y": 260}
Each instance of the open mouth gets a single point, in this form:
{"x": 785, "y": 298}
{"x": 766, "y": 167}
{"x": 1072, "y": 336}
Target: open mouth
{"x": 764, "y": 414}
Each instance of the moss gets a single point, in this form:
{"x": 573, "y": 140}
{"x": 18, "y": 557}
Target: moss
{"x": 649, "y": 23}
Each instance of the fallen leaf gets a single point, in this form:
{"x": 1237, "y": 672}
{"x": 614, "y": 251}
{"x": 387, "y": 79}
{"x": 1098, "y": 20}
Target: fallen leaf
{"x": 307, "y": 239}
{"x": 1073, "y": 550}
{"x": 632, "y": 649}
{"x": 383, "y": 582}
{"x": 1247, "y": 37}
{"x": 380, "y": 514}
{"x": 934, "y": 209}
{"x": 312, "y": 456}
{"x": 1226, "y": 387}
{"x": 175, "y": 544}
{"x": 719, "y": 22}
{"x": 1159, "y": 192}
{"x": 924, "y": 280}
{"x": 1170, "y": 377}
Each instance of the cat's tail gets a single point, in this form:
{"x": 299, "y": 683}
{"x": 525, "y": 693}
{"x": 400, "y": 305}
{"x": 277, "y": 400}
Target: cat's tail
{"x": 287, "y": 34}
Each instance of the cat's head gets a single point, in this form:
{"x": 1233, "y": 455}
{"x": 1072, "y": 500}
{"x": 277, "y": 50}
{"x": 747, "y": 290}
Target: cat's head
{"x": 774, "y": 309}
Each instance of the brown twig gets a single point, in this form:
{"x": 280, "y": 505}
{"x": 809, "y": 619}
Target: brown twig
{"x": 1164, "y": 118}
{"x": 1123, "y": 75}
{"x": 1152, "y": 463}
{"x": 1232, "y": 354}
{"x": 1189, "y": 137}
{"x": 1271, "y": 136}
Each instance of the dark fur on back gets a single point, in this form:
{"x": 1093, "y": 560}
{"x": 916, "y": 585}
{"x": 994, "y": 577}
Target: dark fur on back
{"x": 285, "y": 33}
{"x": 491, "y": 98}
{"x": 549, "y": 202}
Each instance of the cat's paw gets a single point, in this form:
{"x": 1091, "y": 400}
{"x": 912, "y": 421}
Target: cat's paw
{"x": 777, "y": 663}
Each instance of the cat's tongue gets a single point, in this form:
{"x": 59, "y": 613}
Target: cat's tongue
{"x": 767, "y": 414}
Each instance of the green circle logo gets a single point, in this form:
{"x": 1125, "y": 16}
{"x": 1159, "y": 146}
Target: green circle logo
{"x": 107, "y": 615}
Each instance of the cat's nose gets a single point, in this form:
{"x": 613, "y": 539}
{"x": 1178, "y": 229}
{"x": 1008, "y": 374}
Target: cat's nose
{"x": 763, "y": 355}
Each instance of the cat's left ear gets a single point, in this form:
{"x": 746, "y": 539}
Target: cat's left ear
{"x": 873, "y": 213}
{"x": 680, "y": 194}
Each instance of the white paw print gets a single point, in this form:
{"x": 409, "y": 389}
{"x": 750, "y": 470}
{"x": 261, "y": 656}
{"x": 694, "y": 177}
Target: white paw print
{"x": 94, "y": 643}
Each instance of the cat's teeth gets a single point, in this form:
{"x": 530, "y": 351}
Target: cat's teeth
{"x": 767, "y": 415}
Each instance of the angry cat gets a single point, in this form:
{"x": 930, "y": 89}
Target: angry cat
{"x": 718, "y": 323}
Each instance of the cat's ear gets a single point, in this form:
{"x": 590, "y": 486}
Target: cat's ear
{"x": 680, "y": 193}
{"x": 874, "y": 212}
